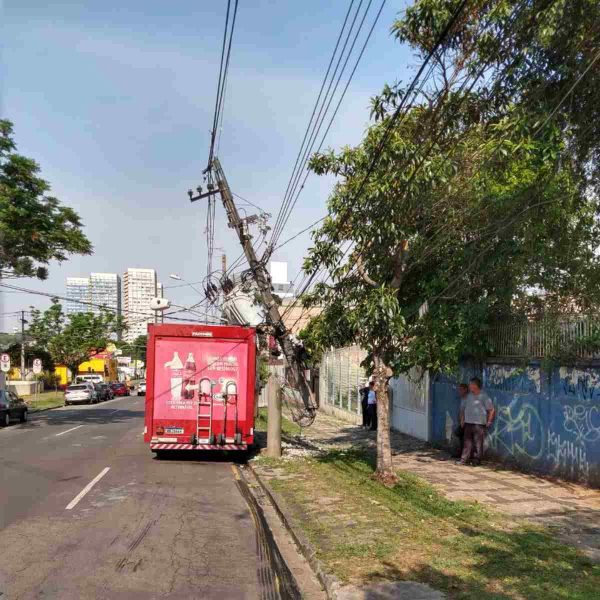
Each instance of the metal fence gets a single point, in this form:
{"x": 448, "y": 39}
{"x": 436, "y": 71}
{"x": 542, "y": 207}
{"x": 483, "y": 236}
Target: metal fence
{"x": 545, "y": 338}
{"x": 341, "y": 377}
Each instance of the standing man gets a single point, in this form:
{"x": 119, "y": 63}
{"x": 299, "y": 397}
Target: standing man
{"x": 459, "y": 432}
{"x": 364, "y": 404}
{"x": 476, "y": 415}
{"x": 372, "y": 406}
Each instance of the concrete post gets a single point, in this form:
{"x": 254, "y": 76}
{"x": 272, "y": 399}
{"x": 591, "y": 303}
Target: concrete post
{"x": 274, "y": 418}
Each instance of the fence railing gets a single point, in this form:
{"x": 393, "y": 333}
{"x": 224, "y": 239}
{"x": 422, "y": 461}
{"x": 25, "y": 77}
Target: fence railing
{"x": 546, "y": 338}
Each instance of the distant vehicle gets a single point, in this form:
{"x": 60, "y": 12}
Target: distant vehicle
{"x": 11, "y": 407}
{"x": 91, "y": 377}
{"x": 104, "y": 391}
{"x": 119, "y": 389}
{"x": 141, "y": 390}
{"x": 81, "y": 393}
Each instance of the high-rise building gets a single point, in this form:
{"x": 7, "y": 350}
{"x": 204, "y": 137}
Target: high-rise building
{"x": 90, "y": 294}
{"x": 105, "y": 291}
{"x": 139, "y": 287}
{"x": 78, "y": 295}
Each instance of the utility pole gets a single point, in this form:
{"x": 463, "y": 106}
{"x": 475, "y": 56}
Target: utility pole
{"x": 23, "y": 321}
{"x": 296, "y": 373}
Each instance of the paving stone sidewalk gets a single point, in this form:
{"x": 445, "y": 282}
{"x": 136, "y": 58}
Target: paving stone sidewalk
{"x": 572, "y": 510}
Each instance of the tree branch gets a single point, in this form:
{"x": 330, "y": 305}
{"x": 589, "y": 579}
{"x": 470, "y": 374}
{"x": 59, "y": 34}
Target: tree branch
{"x": 400, "y": 258}
{"x": 360, "y": 267}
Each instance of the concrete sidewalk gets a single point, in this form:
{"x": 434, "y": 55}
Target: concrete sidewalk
{"x": 571, "y": 510}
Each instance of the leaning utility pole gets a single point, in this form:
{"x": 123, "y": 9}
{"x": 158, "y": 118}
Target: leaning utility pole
{"x": 296, "y": 372}
{"x": 23, "y": 321}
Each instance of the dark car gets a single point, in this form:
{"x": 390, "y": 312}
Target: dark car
{"x": 104, "y": 392}
{"x": 119, "y": 389}
{"x": 11, "y": 408}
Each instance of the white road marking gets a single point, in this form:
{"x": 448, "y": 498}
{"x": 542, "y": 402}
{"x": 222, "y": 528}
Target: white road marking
{"x": 87, "y": 488}
{"x": 67, "y": 431}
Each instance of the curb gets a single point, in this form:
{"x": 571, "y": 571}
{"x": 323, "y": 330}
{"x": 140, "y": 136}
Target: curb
{"x": 330, "y": 583}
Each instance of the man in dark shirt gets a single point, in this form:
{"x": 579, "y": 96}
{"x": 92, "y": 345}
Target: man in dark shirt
{"x": 364, "y": 397}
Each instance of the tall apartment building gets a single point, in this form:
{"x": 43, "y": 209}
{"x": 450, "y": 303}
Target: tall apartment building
{"x": 90, "y": 294}
{"x": 139, "y": 287}
{"x": 105, "y": 290}
{"x": 78, "y": 295}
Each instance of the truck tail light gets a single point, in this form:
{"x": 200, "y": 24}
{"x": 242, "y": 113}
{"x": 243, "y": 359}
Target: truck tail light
{"x": 160, "y": 430}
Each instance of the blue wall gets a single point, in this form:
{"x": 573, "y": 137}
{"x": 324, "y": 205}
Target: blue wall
{"x": 545, "y": 421}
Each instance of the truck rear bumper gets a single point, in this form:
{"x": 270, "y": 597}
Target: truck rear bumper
{"x": 163, "y": 446}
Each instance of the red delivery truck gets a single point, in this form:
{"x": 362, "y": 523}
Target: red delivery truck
{"x": 200, "y": 383}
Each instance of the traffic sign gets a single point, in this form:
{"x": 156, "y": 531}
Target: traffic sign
{"x": 5, "y": 363}
{"x": 37, "y": 365}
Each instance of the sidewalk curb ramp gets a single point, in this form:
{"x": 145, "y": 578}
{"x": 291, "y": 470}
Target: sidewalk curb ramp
{"x": 330, "y": 583}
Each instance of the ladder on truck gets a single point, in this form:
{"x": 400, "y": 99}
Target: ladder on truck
{"x": 231, "y": 397}
{"x": 204, "y": 433}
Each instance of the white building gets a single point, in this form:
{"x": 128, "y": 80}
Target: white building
{"x": 139, "y": 287}
{"x": 78, "y": 295}
{"x": 279, "y": 279}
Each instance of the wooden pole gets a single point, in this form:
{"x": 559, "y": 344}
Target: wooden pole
{"x": 274, "y": 418}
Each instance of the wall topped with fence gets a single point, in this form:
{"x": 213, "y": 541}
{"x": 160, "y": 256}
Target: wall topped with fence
{"x": 546, "y": 338}
{"x": 340, "y": 379}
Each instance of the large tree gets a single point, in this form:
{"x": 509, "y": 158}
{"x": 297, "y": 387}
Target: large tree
{"x": 442, "y": 219}
{"x": 73, "y": 339}
{"x": 35, "y": 227}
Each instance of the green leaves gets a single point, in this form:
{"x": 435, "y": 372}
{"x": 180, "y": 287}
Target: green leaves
{"x": 70, "y": 340}
{"x": 34, "y": 227}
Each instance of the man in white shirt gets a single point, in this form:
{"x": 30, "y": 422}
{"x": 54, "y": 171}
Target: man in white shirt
{"x": 372, "y": 406}
{"x": 476, "y": 416}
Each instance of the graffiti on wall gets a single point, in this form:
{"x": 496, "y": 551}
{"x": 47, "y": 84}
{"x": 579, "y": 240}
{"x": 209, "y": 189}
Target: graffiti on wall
{"x": 579, "y": 383}
{"x": 513, "y": 379}
{"x": 518, "y": 431}
{"x": 583, "y": 422}
{"x": 567, "y": 455}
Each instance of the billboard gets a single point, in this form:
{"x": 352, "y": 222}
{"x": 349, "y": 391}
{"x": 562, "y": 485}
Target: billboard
{"x": 188, "y": 371}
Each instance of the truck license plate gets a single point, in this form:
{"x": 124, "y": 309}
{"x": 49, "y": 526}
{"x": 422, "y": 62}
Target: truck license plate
{"x": 174, "y": 430}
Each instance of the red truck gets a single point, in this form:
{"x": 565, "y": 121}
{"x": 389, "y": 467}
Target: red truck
{"x": 201, "y": 382}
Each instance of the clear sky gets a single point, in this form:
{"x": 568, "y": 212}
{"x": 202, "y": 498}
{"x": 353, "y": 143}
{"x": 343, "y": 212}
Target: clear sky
{"x": 114, "y": 99}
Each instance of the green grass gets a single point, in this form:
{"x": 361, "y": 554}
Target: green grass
{"x": 365, "y": 532}
{"x": 45, "y": 400}
{"x": 288, "y": 427}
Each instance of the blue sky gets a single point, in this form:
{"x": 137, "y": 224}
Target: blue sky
{"x": 114, "y": 99}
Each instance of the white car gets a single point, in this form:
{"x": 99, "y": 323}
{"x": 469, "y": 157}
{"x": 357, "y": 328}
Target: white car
{"x": 80, "y": 392}
{"x": 141, "y": 390}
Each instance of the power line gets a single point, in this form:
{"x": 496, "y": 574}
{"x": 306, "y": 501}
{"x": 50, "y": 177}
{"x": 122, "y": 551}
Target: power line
{"x": 82, "y": 302}
{"x": 308, "y": 127}
{"x": 290, "y": 202}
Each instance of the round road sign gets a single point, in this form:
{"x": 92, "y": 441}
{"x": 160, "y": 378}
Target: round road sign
{"x": 5, "y": 362}
{"x": 37, "y": 365}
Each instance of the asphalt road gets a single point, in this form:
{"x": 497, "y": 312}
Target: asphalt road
{"x": 87, "y": 512}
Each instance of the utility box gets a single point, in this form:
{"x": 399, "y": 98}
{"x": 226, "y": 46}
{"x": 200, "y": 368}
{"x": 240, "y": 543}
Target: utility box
{"x": 200, "y": 387}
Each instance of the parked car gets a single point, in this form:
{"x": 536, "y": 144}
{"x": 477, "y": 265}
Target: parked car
{"x": 103, "y": 391}
{"x": 141, "y": 390}
{"x": 81, "y": 392}
{"x": 11, "y": 407}
{"x": 119, "y": 389}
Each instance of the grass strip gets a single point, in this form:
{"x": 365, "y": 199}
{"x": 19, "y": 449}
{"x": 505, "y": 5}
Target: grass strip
{"x": 288, "y": 427}
{"x": 45, "y": 400}
{"x": 365, "y": 532}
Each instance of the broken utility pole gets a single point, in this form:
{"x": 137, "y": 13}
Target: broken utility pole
{"x": 259, "y": 272}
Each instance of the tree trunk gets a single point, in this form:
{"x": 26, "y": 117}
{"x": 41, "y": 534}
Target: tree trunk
{"x": 385, "y": 468}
